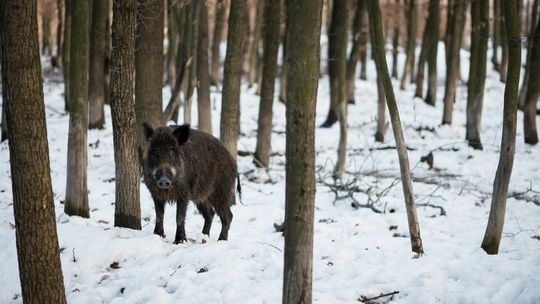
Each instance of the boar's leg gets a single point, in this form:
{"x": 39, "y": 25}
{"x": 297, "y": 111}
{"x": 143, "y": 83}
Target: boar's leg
{"x": 208, "y": 213}
{"x": 160, "y": 210}
{"x": 181, "y": 208}
{"x": 225, "y": 215}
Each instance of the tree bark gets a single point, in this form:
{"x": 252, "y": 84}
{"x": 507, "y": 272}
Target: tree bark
{"x": 412, "y": 26}
{"x": 354, "y": 55}
{"x": 303, "y": 55}
{"x": 232, "y": 75}
{"x": 380, "y": 61}
{"x": 283, "y": 72}
{"x": 76, "y": 202}
{"x": 127, "y": 212}
{"x": 533, "y": 91}
{"x": 253, "y": 53}
{"x": 5, "y": 131}
{"x": 431, "y": 95}
{"x": 99, "y": 39}
{"x": 503, "y": 35}
{"x": 66, "y": 45}
{"x": 477, "y": 72}
{"x": 203, "y": 75}
{"x": 492, "y": 237}
{"x": 46, "y": 18}
{"x": 381, "y": 109}
{"x": 395, "y": 46}
{"x": 270, "y": 53}
{"x": 496, "y": 34}
{"x": 219, "y": 26}
{"x": 59, "y": 29}
{"x": 193, "y": 10}
{"x": 431, "y": 35}
{"x": 530, "y": 43}
{"x": 38, "y": 254}
{"x": 452, "y": 59}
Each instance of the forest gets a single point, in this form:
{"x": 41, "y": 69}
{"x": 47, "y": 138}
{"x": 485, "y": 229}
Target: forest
{"x": 267, "y": 151}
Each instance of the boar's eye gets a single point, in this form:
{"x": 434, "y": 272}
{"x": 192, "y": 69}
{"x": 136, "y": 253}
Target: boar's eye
{"x": 172, "y": 152}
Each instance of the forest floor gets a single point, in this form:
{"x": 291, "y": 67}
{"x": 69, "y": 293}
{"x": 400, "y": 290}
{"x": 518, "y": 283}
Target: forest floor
{"x": 357, "y": 252}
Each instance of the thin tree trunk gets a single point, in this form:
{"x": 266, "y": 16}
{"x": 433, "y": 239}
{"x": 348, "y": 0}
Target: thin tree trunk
{"x": 181, "y": 56}
{"x": 232, "y": 74}
{"x": 283, "y": 72}
{"x": 46, "y": 18}
{"x": 492, "y": 237}
{"x": 354, "y": 55}
{"x": 203, "y": 75}
{"x": 496, "y": 34}
{"x": 38, "y": 254}
{"x": 66, "y": 46}
{"x": 533, "y": 91}
{"x": 148, "y": 68}
{"x": 254, "y": 55}
{"x": 303, "y": 54}
{"x": 381, "y": 109}
{"x": 172, "y": 36}
{"x": 127, "y": 212}
{"x": 219, "y": 26}
{"x": 412, "y": 25}
{"x": 452, "y": 62}
{"x": 337, "y": 64}
{"x": 99, "y": 39}
{"x": 76, "y": 202}
{"x": 194, "y": 9}
{"x": 431, "y": 95}
{"x": 395, "y": 47}
{"x": 271, "y": 46}
{"x": 59, "y": 28}
{"x": 477, "y": 74}
{"x": 5, "y": 131}
{"x": 431, "y": 35}
{"x": 380, "y": 61}
{"x": 530, "y": 43}
{"x": 504, "y": 58}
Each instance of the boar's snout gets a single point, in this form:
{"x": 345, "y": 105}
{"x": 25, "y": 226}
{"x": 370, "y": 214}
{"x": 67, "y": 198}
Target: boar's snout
{"x": 163, "y": 179}
{"x": 164, "y": 183}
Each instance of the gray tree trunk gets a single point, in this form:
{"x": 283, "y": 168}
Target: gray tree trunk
{"x": 193, "y": 10}
{"x": 377, "y": 39}
{"x": 412, "y": 28}
{"x": 76, "y": 202}
{"x": 269, "y": 73}
{"x": 354, "y": 55}
{"x": 431, "y": 37}
{"x": 219, "y": 26}
{"x": 492, "y": 237}
{"x": 303, "y": 55}
{"x": 204, "y": 109}
{"x": 66, "y": 45}
{"x": 533, "y": 91}
{"x": 530, "y": 43}
{"x": 232, "y": 75}
{"x": 40, "y": 272}
{"x": 127, "y": 211}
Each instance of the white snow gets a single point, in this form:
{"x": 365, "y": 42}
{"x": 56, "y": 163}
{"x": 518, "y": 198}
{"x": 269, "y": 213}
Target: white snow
{"x": 355, "y": 253}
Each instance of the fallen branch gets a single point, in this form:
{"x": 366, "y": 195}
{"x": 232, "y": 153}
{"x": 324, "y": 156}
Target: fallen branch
{"x": 365, "y": 299}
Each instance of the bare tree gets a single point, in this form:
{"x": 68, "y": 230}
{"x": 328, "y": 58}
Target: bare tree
{"x": 533, "y": 91}
{"x": 66, "y": 44}
{"x": 76, "y": 202}
{"x": 230, "y": 105}
{"x": 219, "y": 26}
{"x": 127, "y": 211}
{"x": 492, "y": 237}
{"x": 191, "y": 52}
{"x": 530, "y": 43}
{"x": 204, "y": 109}
{"x": 431, "y": 38}
{"x": 412, "y": 28}
{"x": 354, "y": 55}
{"x": 99, "y": 41}
{"x": 272, "y": 24}
{"x": 38, "y": 254}
{"x": 46, "y": 19}
{"x": 380, "y": 61}
{"x": 303, "y": 55}
{"x": 254, "y": 56}
{"x": 148, "y": 67}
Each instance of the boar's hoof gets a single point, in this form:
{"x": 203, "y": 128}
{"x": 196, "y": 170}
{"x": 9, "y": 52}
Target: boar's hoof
{"x": 159, "y": 231}
{"x": 180, "y": 239}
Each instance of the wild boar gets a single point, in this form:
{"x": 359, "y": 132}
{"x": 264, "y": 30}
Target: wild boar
{"x": 184, "y": 164}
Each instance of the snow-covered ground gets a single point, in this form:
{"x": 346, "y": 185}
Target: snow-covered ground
{"x": 357, "y": 252}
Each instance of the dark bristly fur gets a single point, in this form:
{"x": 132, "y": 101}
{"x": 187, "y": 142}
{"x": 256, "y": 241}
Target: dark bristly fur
{"x": 199, "y": 169}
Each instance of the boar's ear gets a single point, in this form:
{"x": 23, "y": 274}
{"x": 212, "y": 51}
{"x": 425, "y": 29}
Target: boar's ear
{"x": 148, "y": 131}
{"x": 181, "y": 133}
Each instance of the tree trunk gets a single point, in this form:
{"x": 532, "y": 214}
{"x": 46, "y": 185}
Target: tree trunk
{"x": 492, "y": 237}
{"x": 283, "y": 72}
{"x": 431, "y": 37}
{"x": 395, "y": 47}
{"x": 76, "y": 202}
{"x": 337, "y": 63}
{"x": 530, "y": 43}
{"x": 5, "y": 131}
{"x": 504, "y": 59}
{"x": 181, "y": 55}
{"x": 272, "y": 23}
{"x": 533, "y": 91}
{"x": 46, "y": 18}
{"x": 99, "y": 38}
{"x": 303, "y": 54}
{"x": 66, "y": 46}
{"x": 496, "y": 34}
{"x": 127, "y": 211}
{"x": 452, "y": 62}
{"x": 148, "y": 68}
{"x": 38, "y": 254}
{"x": 203, "y": 75}
{"x": 59, "y": 28}
{"x": 354, "y": 55}
{"x": 172, "y": 45}
{"x": 219, "y": 26}
{"x": 381, "y": 109}
{"x": 193, "y": 9}
{"x": 477, "y": 72}
{"x": 380, "y": 61}
{"x": 412, "y": 25}
{"x": 232, "y": 75}
{"x": 431, "y": 95}
{"x": 254, "y": 55}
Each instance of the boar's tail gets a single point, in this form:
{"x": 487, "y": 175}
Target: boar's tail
{"x": 239, "y": 188}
